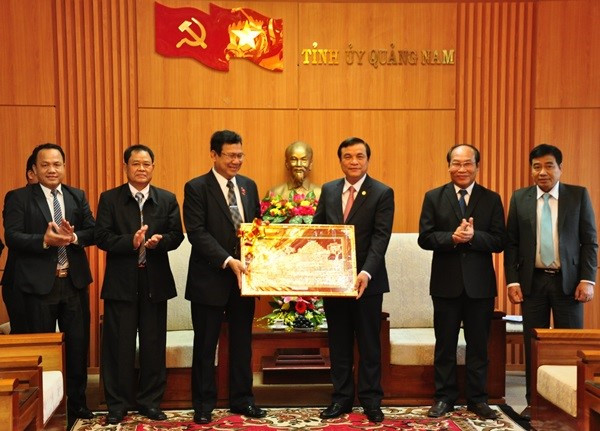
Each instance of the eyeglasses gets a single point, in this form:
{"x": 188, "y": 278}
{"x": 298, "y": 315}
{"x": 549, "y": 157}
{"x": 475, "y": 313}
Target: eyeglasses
{"x": 233, "y": 156}
{"x": 466, "y": 165}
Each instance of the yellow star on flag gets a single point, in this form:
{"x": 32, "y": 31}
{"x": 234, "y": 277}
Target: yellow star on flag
{"x": 246, "y": 36}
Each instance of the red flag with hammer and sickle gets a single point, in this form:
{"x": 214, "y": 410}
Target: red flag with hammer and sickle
{"x": 214, "y": 38}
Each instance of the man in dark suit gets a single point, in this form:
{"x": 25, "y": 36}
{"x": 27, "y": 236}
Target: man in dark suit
{"x": 214, "y": 206}
{"x": 137, "y": 225}
{"x": 13, "y": 297}
{"x": 368, "y": 204}
{"x": 550, "y": 259}
{"x": 463, "y": 223}
{"x": 47, "y": 226}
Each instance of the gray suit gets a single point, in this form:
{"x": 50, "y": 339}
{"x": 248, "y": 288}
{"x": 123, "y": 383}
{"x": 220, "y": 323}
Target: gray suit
{"x": 578, "y": 248}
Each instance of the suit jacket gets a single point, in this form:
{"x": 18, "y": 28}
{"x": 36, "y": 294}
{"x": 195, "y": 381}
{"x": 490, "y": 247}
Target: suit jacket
{"x": 578, "y": 246}
{"x": 213, "y": 236}
{"x": 26, "y": 217}
{"x": 467, "y": 267}
{"x": 118, "y": 220}
{"x": 372, "y": 215}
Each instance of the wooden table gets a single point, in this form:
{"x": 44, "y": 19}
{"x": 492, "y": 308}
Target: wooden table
{"x": 591, "y": 404}
{"x": 300, "y": 356}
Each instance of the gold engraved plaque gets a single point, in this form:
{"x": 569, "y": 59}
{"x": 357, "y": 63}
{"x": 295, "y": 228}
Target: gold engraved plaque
{"x": 298, "y": 259}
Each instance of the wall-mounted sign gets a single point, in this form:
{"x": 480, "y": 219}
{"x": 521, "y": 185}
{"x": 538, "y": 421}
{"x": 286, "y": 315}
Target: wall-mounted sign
{"x": 390, "y": 56}
{"x": 215, "y": 38}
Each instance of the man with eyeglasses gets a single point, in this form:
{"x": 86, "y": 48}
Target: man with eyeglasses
{"x": 214, "y": 206}
{"x": 463, "y": 223}
{"x": 47, "y": 227}
{"x": 137, "y": 225}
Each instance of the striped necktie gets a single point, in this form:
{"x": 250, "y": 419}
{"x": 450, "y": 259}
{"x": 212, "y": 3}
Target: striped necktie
{"x": 233, "y": 206}
{"x": 546, "y": 240}
{"x": 139, "y": 197}
{"x": 62, "y": 250}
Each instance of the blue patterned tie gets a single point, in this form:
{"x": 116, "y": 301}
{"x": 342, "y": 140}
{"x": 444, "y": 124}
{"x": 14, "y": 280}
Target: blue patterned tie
{"x": 62, "y": 251}
{"x": 547, "y": 243}
{"x": 233, "y": 207}
{"x": 462, "y": 203}
{"x": 139, "y": 197}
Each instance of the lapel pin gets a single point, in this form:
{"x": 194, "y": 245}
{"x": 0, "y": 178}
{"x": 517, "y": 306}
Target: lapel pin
{"x": 364, "y": 193}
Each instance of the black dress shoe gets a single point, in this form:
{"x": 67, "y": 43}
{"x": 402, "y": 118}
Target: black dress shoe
{"x": 439, "y": 408}
{"x": 81, "y": 412}
{"x": 482, "y": 410}
{"x": 526, "y": 413}
{"x": 250, "y": 410}
{"x": 114, "y": 417}
{"x": 374, "y": 415}
{"x": 152, "y": 413}
{"x": 334, "y": 410}
{"x": 202, "y": 418}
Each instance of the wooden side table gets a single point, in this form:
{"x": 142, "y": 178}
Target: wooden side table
{"x": 591, "y": 404}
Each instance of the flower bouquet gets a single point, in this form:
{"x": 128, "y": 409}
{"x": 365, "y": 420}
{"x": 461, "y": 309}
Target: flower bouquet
{"x": 296, "y": 208}
{"x": 299, "y": 312}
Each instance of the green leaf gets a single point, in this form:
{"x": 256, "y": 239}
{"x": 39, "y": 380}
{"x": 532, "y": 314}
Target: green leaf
{"x": 278, "y": 219}
{"x": 307, "y": 219}
{"x": 296, "y": 220}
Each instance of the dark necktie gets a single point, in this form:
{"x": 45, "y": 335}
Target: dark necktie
{"x": 139, "y": 197}
{"x": 349, "y": 202}
{"x": 462, "y": 203}
{"x": 233, "y": 206}
{"x": 546, "y": 240}
{"x": 62, "y": 251}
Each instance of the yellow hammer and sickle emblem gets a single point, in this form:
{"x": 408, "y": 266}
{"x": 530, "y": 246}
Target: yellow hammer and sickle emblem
{"x": 198, "y": 40}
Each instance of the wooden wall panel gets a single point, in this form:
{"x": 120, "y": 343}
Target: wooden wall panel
{"x": 180, "y": 139}
{"x": 577, "y": 133}
{"x": 375, "y": 26}
{"x": 494, "y": 103}
{"x": 402, "y": 143}
{"x": 97, "y": 105}
{"x": 185, "y": 82}
{"x": 27, "y": 75}
{"x": 568, "y": 64}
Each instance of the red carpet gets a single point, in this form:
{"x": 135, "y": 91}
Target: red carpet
{"x": 396, "y": 418}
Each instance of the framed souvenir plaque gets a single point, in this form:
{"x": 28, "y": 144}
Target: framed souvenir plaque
{"x": 298, "y": 259}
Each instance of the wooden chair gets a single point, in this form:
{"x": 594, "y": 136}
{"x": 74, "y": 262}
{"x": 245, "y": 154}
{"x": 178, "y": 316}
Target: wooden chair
{"x": 17, "y": 350}
{"x": 560, "y": 347}
{"x": 20, "y": 393}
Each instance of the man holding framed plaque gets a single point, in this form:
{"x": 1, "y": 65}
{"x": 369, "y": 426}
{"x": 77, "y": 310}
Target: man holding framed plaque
{"x": 214, "y": 206}
{"x": 368, "y": 205}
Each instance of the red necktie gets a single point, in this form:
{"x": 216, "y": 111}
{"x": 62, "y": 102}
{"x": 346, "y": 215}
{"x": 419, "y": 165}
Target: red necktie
{"x": 349, "y": 202}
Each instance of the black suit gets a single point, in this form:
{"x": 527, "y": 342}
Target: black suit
{"x": 578, "y": 248}
{"x": 213, "y": 291}
{"x": 463, "y": 284}
{"x": 47, "y": 297}
{"x": 136, "y": 298}
{"x": 372, "y": 215}
{"x": 13, "y": 297}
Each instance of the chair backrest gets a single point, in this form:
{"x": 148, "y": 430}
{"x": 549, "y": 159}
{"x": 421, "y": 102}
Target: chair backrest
{"x": 409, "y": 268}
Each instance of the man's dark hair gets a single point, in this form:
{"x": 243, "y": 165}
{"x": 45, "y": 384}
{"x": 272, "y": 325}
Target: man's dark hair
{"x": 353, "y": 141}
{"x": 29, "y": 165}
{"x": 475, "y": 150}
{"x": 135, "y": 148}
{"x": 47, "y": 146}
{"x": 544, "y": 150}
{"x": 218, "y": 139}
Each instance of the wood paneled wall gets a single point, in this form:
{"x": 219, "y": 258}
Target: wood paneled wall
{"x": 89, "y": 78}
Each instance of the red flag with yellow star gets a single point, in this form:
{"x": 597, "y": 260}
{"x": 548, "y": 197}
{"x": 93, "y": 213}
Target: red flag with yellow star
{"x": 215, "y": 38}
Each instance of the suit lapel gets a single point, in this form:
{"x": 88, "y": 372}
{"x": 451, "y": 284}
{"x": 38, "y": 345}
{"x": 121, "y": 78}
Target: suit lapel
{"x": 42, "y": 203}
{"x": 564, "y": 202}
{"x": 248, "y": 217}
{"x": 70, "y": 203}
{"x": 476, "y": 194}
{"x": 530, "y": 209}
{"x": 217, "y": 193}
{"x": 453, "y": 200}
{"x": 338, "y": 212}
